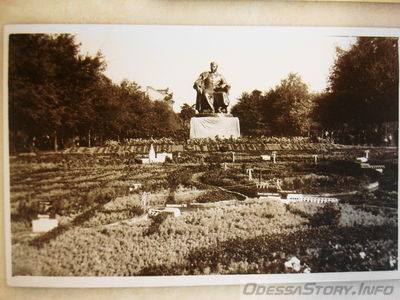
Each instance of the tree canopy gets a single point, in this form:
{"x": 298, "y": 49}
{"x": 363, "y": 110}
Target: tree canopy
{"x": 248, "y": 109}
{"x": 284, "y": 110}
{"x": 360, "y": 102}
{"x": 50, "y": 85}
{"x": 363, "y": 85}
{"x": 288, "y": 107}
{"x": 57, "y": 95}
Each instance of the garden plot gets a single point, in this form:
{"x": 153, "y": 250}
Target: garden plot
{"x": 72, "y": 185}
{"x": 89, "y": 192}
{"x": 256, "y": 237}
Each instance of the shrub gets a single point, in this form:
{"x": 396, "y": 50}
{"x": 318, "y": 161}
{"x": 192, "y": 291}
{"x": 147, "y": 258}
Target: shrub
{"x": 27, "y": 210}
{"x": 317, "y": 214}
{"x": 303, "y": 212}
{"x": 136, "y": 211}
{"x": 170, "y": 199}
{"x": 350, "y": 216}
{"x": 329, "y": 214}
{"x": 59, "y": 207}
{"x": 216, "y": 159}
{"x": 111, "y": 143}
{"x": 155, "y": 225}
{"x": 168, "y": 160}
{"x": 179, "y": 177}
{"x": 249, "y": 191}
{"x": 212, "y": 178}
{"x": 99, "y": 196}
{"x": 214, "y": 196}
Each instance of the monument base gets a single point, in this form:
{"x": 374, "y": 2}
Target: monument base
{"x": 202, "y": 115}
{"x": 211, "y": 127}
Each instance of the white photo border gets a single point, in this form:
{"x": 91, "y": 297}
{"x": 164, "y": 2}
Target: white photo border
{"x": 163, "y": 281}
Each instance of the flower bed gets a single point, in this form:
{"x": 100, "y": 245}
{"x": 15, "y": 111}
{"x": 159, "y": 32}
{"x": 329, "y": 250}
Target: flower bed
{"x": 253, "y": 237}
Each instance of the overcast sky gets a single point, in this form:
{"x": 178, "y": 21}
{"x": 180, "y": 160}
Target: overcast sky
{"x": 248, "y": 57}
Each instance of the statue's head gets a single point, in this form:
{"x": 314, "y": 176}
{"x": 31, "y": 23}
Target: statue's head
{"x": 213, "y": 66}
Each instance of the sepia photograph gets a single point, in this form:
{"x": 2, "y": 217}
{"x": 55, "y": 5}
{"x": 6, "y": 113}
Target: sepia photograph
{"x": 160, "y": 154}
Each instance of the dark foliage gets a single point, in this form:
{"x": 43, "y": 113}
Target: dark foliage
{"x": 363, "y": 91}
{"x": 329, "y": 214}
{"x": 334, "y": 249}
{"x": 59, "y": 98}
{"x": 214, "y": 196}
{"x": 155, "y": 224}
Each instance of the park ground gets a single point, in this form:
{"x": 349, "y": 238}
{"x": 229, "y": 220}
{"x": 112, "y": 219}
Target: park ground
{"x": 224, "y": 227}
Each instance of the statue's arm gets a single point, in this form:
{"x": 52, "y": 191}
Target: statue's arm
{"x": 224, "y": 84}
{"x": 199, "y": 83}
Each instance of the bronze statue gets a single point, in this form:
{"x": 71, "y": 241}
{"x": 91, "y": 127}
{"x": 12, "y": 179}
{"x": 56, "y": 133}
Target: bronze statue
{"x": 212, "y": 91}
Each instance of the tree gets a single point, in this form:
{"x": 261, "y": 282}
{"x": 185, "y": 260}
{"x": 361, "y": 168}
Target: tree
{"x": 363, "y": 86}
{"x": 51, "y": 87}
{"x": 56, "y": 94}
{"x": 287, "y": 108}
{"x": 185, "y": 115}
{"x": 249, "y": 111}
{"x": 187, "y": 112}
{"x": 165, "y": 121}
{"x": 105, "y": 108}
{"x": 137, "y": 116}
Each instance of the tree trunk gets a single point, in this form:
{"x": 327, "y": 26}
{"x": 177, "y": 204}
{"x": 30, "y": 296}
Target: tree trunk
{"x": 89, "y": 138}
{"x": 55, "y": 141}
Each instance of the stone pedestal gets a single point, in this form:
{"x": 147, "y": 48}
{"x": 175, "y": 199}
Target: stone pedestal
{"x": 211, "y": 126}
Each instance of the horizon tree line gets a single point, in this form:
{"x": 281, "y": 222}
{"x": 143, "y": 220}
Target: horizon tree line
{"x": 359, "y": 106}
{"x": 59, "y": 98}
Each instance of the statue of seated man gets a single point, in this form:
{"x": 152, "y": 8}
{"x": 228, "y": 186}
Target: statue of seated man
{"x": 212, "y": 91}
